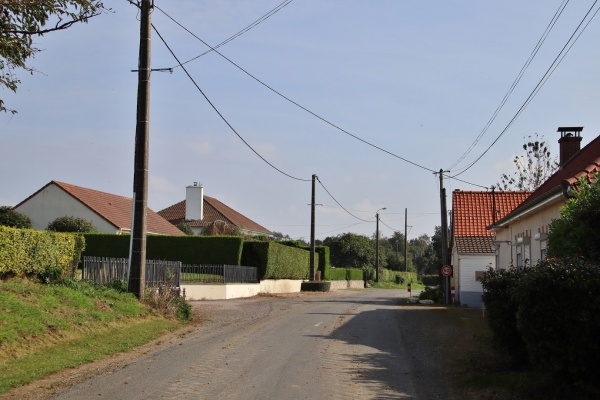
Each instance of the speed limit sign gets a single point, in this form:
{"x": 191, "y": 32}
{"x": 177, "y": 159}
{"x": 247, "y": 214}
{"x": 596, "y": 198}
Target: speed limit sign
{"x": 446, "y": 270}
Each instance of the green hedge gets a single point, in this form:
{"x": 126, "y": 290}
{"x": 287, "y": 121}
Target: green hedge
{"x": 551, "y": 313}
{"x": 187, "y": 249}
{"x": 277, "y": 261}
{"x": 25, "y": 252}
{"x": 431, "y": 280}
{"x": 350, "y": 274}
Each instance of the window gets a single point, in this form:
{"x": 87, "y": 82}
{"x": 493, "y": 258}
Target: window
{"x": 519, "y": 256}
{"x": 543, "y": 251}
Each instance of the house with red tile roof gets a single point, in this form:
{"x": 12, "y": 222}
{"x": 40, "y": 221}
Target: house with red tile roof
{"x": 200, "y": 211}
{"x": 472, "y": 249}
{"x": 521, "y": 235}
{"x": 108, "y": 212}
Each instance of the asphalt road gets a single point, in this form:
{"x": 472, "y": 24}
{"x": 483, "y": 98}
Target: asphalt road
{"x": 340, "y": 345}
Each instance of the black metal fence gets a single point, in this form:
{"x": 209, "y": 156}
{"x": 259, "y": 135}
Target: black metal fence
{"x": 104, "y": 270}
{"x": 218, "y": 274}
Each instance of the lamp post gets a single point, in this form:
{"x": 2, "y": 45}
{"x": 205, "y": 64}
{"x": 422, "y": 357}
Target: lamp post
{"x": 377, "y": 244}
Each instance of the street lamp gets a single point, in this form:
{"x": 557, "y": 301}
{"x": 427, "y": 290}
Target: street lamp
{"x": 377, "y": 244}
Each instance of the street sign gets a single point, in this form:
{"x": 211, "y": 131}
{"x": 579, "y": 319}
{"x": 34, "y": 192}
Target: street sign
{"x": 446, "y": 270}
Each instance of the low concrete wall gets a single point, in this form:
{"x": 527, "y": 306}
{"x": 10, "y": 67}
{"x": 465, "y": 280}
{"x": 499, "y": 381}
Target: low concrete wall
{"x": 280, "y": 286}
{"x": 220, "y": 292}
{"x": 207, "y": 291}
{"x": 341, "y": 285}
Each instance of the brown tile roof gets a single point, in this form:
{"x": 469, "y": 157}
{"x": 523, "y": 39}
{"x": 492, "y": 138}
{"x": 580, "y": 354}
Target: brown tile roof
{"x": 113, "y": 208}
{"x": 472, "y": 213}
{"x": 214, "y": 210}
{"x": 585, "y": 163}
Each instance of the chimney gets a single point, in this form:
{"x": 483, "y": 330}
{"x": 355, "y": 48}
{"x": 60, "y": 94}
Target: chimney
{"x": 569, "y": 142}
{"x": 194, "y": 202}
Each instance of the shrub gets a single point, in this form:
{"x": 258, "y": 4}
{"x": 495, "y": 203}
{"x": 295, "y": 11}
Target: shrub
{"x": 430, "y": 280}
{"x": 12, "y": 218}
{"x": 185, "y": 228}
{"x": 434, "y": 293}
{"x": 559, "y": 319}
{"x": 71, "y": 224}
{"x": 501, "y": 311}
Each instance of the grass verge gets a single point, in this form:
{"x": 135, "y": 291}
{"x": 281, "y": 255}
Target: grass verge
{"x": 47, "y": 328}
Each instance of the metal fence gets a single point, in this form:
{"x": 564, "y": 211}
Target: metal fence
{"x": 104, "y": 270}
{"x": 218, "y": 274}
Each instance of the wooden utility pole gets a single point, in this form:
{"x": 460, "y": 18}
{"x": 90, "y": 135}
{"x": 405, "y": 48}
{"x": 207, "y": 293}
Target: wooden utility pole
{"x": 137, "y": 270}
{"x": 445, "y": 258}
{"x": 312, "y": 230}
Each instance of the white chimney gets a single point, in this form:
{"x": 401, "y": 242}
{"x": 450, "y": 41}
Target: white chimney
{"x": 194, "y": 202}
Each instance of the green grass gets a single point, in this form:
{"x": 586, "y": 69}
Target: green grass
{"x": 46, "y": 328}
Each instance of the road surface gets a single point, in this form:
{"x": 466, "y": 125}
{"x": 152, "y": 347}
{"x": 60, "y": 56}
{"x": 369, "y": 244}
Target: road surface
{"x": 355, "y": 344}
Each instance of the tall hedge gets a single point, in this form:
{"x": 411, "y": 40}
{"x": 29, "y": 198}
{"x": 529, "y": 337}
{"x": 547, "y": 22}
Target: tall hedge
{"x": 187, "y": 249}
{"x": 277, "y": 261}
{"x": 26, "y": 252}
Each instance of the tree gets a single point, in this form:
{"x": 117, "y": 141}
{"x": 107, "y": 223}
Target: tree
{"x": 185, "y": 228}
{"x": 71, "y": 224}
{"x": 533, "y": 168}
{"x": 576, "y": 232}
{"x": 21, "y": 21}
{"x": 13, "y": 218}
{"x": 422, "y": 255}
{"x": 394, "y": 251}
{"x": 351, "y": 251}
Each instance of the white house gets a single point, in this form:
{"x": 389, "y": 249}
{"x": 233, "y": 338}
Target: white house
{"x": 108, "y": 212}
{"x": 521, "y": 235}
{"x": 472, "y": 244}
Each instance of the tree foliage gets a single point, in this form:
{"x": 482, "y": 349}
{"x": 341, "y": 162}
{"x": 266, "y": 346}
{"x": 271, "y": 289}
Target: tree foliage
{"x": 576, "y": 231}
{"x": 351, "y": 251}
{"x": 14, "y": 219}
{"x": 185, "y": 228}
{"x": 22, "y": 21}
{"x": 71, "y": 224}
{"x": 533, "y": 168}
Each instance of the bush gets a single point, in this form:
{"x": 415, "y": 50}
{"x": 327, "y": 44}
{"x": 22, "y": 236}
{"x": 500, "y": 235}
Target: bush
{"x": 432, "y": 293}
{"x": 559, "y": 319}
{"x": 430, "y": 280}
{"x": 501, "y": 311}
{"x": 14, "y": 219}
{"x": 71, "y": 224}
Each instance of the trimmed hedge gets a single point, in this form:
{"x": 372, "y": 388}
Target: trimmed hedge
{"x": 187, "y": 249}
{"x": 320, "y": 286}
{"x": 277, "y": 261}
{"x": 431, "y": 280}
{"x": 27, "y": 252}
{"x": 551, "y": 313}
{"x": 350, "y": 274}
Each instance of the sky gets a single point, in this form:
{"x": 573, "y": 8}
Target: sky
{"x": 373, "y": 97}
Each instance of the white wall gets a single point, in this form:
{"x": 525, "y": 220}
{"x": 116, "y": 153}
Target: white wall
{"x": 469, "y": 289}
{"x": 53, "y": 202}
{"x": 527, "y": 226}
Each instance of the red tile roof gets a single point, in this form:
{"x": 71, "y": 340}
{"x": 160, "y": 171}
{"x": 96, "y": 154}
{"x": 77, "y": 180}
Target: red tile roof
{"x": 214, "y": 210}
{"x": 113, "y": 208}
{"x": 586, "y": 163}
{"x": 473, "y": 212}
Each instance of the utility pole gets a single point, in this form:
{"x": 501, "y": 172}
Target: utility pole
{"x": 137, "y": 271}
{"x": 312, "y": 230}
{"x": 405, "y": 239}
{"x": 377, "y": 248}
{"x": 445, "y": 258}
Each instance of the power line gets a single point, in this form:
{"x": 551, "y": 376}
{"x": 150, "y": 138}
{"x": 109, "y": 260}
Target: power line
{"x": 534, "y": 52}
{"x": 338, "y": 203}
{"x": 239, "y": 33}
{"x": 561, "y": 55}
{"x": 221, "y": 115}
{"x": 292, "y": 101}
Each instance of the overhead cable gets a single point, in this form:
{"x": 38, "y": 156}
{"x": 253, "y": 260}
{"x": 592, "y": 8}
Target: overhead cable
{"x": 221, "y": 115}
{"x": 534, "y": 52}
{"x": 561, "y": 55}
{"x": 292, "y": 101}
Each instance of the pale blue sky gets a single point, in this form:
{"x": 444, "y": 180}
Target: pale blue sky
{"x": 418, "y": 79}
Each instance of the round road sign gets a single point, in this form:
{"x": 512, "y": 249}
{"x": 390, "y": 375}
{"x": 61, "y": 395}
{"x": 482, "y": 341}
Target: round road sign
{"x": 446, "y": 270}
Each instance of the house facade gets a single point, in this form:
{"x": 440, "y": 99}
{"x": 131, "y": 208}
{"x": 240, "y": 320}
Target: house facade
{"x": 109, "y": 213}
{"x": 200, "y": 212}
{"x": 521, "y": 236}
{"x": 472, "y": 249}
